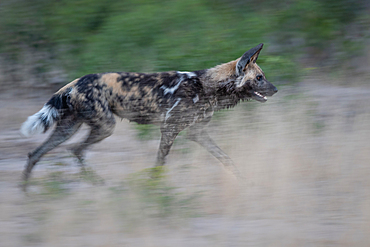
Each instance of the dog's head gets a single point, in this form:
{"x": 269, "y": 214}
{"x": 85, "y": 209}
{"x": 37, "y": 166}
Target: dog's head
{"x": 250, "y": 77}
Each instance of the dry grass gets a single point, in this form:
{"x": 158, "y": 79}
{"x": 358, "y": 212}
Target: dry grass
{"x": 304, "y": 153}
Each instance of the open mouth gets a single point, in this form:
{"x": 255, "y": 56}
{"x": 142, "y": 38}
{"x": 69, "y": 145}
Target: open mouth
{"x": 260, "y": 97}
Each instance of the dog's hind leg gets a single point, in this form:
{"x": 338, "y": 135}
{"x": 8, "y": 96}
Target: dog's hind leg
{"x": 101, "y": 128}
{"x": 64, "y": 129}
{"x": 198, "y": 133}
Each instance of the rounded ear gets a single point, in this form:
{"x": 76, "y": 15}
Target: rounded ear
{"x": 249, "y": 56}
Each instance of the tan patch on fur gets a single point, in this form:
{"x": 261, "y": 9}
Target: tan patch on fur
{"x": 110, "y": 80}
{"x": 147, "y": 89}
{"x": 71, "y": 84}
{"x": 159, "y": 79}
{"x": 110, "y": 77}
{"x": 134, "y": 91}
{"x": 223, "y": 71}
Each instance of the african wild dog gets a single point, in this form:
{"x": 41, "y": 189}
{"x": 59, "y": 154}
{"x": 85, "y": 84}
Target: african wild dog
{"x": 173, "y": 100}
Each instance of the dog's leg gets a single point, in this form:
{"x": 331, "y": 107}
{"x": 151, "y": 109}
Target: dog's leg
{"x": 198, "y": 133}
{"x": 169, "y": 133}
{"x": 64, "y": 129}
{"x": 100, "y": 129}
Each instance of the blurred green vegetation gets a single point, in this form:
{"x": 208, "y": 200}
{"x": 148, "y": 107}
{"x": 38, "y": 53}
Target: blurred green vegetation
{"x": 147, "y": 131}
{"x": 89, "y": 36}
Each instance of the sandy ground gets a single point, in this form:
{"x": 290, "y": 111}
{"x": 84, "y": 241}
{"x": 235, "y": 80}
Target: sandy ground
{"x": 304, "y": 153}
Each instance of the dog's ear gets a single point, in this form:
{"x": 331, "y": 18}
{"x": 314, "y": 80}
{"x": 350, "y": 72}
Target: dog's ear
{"x": 248, "y": 57}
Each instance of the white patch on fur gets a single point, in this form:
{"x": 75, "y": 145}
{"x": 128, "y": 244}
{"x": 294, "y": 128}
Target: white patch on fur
{"x": 35, "y": 125}
{"x": 189, "y": 74}
{"x": 173, "y": 89}
{"x": 174, "y": 105}
{"x": 70, "y": 92}
{"x": 250, "y": 74}
{"x": 196, "y": 99}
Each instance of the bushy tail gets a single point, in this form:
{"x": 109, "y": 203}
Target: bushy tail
{"x": 41, "y": 121}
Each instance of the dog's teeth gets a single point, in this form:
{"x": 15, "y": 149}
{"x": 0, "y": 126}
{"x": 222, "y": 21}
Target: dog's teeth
{"x": 258, "y": 94}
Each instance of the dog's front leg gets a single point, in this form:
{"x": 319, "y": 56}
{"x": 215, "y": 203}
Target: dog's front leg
{"x": 169, "y": 133}
{"x": 198, "y": 133}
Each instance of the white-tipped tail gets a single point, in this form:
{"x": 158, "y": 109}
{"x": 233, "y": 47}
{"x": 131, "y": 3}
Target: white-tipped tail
{"x": 40, "y": 121}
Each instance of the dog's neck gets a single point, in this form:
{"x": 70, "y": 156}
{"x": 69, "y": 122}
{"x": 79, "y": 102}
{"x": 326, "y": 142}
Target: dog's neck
{"x": 219, "y": 84}
{"x": 223, "y": 71}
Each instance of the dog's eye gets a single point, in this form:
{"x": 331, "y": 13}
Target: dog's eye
{"x": 259, "y": 77}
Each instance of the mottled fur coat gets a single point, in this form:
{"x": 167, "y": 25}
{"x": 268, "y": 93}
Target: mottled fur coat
{"x": 174, "y": 100}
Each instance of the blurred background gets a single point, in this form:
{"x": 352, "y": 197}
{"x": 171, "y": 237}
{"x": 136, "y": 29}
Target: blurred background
{"x": 304, "y": 153}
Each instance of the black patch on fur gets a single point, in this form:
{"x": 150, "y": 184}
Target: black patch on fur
{"x": 228, "y": 95}
{"x": 245, "y": 59}
{"x": 60, "y": 101}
